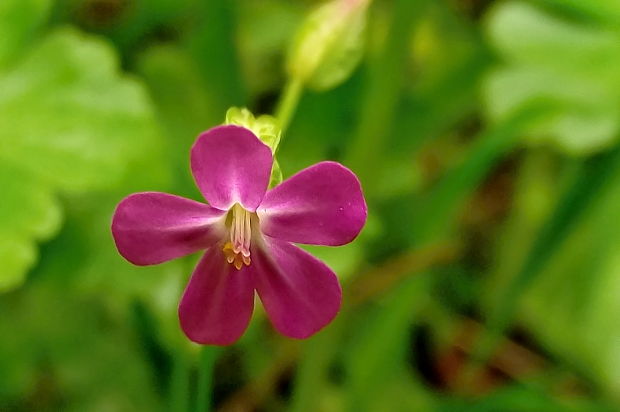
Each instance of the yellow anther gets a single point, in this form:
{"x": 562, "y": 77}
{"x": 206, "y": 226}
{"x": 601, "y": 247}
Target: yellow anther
{"x": 237, "y": 259}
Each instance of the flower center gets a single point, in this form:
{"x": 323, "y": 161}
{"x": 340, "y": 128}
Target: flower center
{"x": 237, "y": 249}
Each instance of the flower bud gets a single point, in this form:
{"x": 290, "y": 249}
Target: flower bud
{"x": 329, "y": 44}
{"x": 265, "y": 127}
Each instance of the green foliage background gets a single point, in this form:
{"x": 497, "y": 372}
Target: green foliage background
{"x": 485, "y": 134}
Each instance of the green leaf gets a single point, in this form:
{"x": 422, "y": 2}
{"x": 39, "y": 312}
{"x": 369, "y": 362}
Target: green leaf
{"x": 19, "y": 22}
{"x": 575, "y": 284}
{"x": 379, "y": 347}
{"x": 68, "y": 121}
{"x": 605, "y": 11}
{"x": 569, "y": 285}
{"x": 525, "y": 34}
{"x": 436, "y": 214}
{"x": 184, "y": 103}
{"x": 343, "y": 260}
{"x": 67, "y": 117}
{"x": 329, "y": 44}
{"x": 575, "y": 65}
{"x": 28, "y": 212}
{"x": 48, "y": 318}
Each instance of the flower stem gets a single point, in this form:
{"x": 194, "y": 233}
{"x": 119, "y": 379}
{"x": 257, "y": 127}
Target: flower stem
{"x": 208, "y": 356}
{"x": 441, "y": 206}
{"x": 386, "y": 75}
{"x": 288, "y": 102}
{"x": 179, "y": 383}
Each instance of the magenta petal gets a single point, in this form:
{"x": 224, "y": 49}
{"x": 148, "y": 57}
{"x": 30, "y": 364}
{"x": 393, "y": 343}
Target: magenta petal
{"x": 321, "y": 205}
{"x": 154, "y": 227}
{"x": 300, "y": 293}
{"x": 217, "y": 304}
{"x": 231, "y": 166}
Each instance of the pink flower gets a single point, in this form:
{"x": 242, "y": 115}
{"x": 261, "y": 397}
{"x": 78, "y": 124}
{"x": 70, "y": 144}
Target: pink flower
{"x": 247, "y": 232}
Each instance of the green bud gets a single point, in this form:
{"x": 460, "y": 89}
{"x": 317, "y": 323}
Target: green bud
{"x": 276, "y": 174}
{"x": 329, "y": 44}
{"x": 266, "y": 128}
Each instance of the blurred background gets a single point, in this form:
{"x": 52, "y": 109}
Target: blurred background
{"x": 485, "y": 134}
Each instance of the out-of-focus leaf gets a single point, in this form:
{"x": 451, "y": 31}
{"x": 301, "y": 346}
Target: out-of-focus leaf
{"x": 439, "y": 209}
{"x": 185, "y": 106}
{"x": 184, "y": 102}
{"x": 68, "y": 121}
{"x": 379, "y": 347}
{"x": 19, "y": 22}
{"x": 68, "y": 117}
{"x": 578, "y": 291}
{"x": 452, "y": 61}
{"x": 92, "y": 359}
{"x": 519, "y": 398}
{"x": 568, "y": 283}
{"x": 375, "y": 120}
{"x": 538, "y": 191}
{"x": 329, "y": 44}
{"x": 605, "y": 11}
{"x": 211, "y": 43}
{"x": 575, "y": 65}
{"x": 342, "y": 260}
{"x": 265, "y": 29}
{"x": 28, "y": 212}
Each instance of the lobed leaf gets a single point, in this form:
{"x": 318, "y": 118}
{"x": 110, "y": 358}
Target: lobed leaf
{"x": 68, "y": 121}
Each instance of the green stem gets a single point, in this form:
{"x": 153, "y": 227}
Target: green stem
{"x": 208, "y": 356}
{"x": 288, "y": 102}
{"x": 313, "y": 367}
{"x": 386, "y": 73}
{"x": 179, "y": 383}
{"x": 595, "y": 181}
{"x": 437, "y": 213}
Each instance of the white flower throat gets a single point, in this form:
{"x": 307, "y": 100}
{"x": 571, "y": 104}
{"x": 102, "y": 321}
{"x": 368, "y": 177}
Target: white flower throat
{"x": 237, "y": 249}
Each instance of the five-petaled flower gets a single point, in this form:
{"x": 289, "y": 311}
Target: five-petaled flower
{"x": 246, "y": 231}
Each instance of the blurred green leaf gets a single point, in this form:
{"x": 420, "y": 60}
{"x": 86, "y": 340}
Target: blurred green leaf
{"x": 439, "y": 209}
{"x": 19, "y": 22}
{"x": 184, "y": 104}
{"x": 68, "y": 117}
{"x": 575, "y": 65}
{"x": 68, "y": 121}
{"x": 605, "y": 11}
{"x": 565, "y": 281}
{"x": 28, "y": 212}
{"x": 520, "y": 398}
{"x": 72, "y": 347}
{"x": 211, "y": 41}
{"x": 578, "y": 283}
{"x": 265, "y": 29}
{"x": 379, "y": 348}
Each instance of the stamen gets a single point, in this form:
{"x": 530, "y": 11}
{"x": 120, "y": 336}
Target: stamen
{"x": 246, "y": 235}
{"x": 237, "y": 250}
